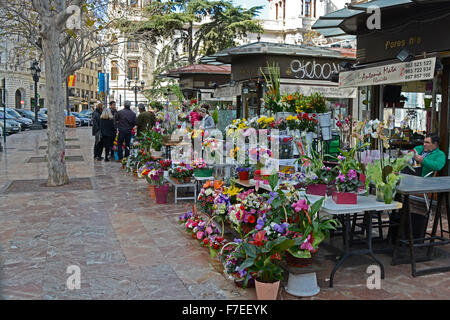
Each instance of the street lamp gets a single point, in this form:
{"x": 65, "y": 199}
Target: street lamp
{"x": 35, "y": 72}
{"x": 136, "y": 88}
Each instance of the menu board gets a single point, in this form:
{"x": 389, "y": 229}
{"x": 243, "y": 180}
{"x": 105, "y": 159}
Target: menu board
{"x": 422, "y": 69}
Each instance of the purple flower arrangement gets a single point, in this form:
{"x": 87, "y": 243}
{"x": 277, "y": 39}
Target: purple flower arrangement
{"x": 347, "y": 182}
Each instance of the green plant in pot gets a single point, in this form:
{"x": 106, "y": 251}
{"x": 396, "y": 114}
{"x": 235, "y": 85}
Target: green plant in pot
{"x": 263, "y": 261}
{"x": 386, "y": 176}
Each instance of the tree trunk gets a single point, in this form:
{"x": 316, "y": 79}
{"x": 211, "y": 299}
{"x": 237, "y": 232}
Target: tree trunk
{"x": 57, "y": 174}
{"x": 191, "y": 40}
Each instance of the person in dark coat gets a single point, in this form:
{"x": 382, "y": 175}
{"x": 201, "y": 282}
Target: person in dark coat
{"x": 146, "y": 120}
{"x": 108, "y": 131}
{"x": 126, "y": 120}
{"x": 98, "y": 147}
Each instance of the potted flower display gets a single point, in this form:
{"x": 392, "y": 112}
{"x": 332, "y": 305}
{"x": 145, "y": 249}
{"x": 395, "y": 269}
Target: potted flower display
{"x": 155, "y": 178}
{"x": 201, "y": 168}
{"x": 263, "y": 262}
{"x": 181, "y": 174}
{"x": 318, "y": 176}
{"x": 208, "y": 194}
{"x": 386, "y": 178}
{"x": 232, "y": 256}
{"x": 243, "y": 172}
{"x": 165, "y": 165}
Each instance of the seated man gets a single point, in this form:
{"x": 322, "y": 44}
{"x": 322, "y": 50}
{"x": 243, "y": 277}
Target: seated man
{"x": 429, "y": 156}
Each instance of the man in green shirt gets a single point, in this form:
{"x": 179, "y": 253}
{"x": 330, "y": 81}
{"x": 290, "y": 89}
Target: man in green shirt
{"x": 145, "y": 120}
{"x": 429, "y": 156}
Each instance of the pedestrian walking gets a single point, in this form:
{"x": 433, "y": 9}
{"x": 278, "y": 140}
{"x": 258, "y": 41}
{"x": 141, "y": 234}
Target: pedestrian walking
{"x": 126, "y": 120}
{"x": 113, "y": 108}
{"x": 145, "y": 121}
{"x": 98, "y": 147}
{"x": 108, "y": 131}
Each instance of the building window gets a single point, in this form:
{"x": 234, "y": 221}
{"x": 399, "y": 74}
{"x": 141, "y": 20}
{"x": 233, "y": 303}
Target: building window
{"x": 134, "y": 3}
{"x": 133, "y": 70}
{"x": 132, "y": 46}
{"x": 276, "y": 11}
{"x": 309, "y": 8}
{"x": 114, "y": 70}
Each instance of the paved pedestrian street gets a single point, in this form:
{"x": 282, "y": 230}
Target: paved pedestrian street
{"x": 126, "y": 246}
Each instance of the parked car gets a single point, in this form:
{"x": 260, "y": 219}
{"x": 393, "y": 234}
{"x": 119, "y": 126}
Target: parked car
{"x": 87, "y": 113}
{"x": 11, "y": 126}
{"x": 25, "y": 122}
{"x": 85, "y": 121}
{"x": 30, "y": 115}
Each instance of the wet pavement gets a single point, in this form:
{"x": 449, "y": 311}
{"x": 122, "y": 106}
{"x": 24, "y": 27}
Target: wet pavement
{"x": 128, "y": 247}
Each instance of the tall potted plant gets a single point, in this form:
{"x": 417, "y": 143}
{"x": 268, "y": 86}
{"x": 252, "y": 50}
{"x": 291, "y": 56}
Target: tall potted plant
{"x": 386, "y": 184}
{"x": 272, "y": 97}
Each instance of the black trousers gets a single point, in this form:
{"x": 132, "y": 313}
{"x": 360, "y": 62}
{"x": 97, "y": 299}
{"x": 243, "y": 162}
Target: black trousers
{"x": 123, "y": 137}
{"x": 98, "y": 148}
{"x": 108, "y": 144}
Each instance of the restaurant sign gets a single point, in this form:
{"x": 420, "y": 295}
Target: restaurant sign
{"x": 422, "y": 69}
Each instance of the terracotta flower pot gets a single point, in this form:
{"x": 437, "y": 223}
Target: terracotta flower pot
{"x": 151, "y": 188}
{"x": 187, "y": 179}
{"x": 267, "y": 291}
{"x": 176, "y": 180}
{"x": 124, "y": 166}
{"x": 161, "y": 194}
{"x": 244, "y": 175}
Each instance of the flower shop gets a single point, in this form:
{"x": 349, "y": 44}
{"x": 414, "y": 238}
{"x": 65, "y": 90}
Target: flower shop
{"x": 303, "y": 163}
{"x": 267, "y": 215}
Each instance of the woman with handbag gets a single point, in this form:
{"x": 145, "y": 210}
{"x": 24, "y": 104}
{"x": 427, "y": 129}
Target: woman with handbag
{"x": 108, "y": 131}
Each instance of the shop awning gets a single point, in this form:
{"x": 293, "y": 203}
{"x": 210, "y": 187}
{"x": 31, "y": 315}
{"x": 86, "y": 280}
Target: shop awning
{"x": 349, "y": 19}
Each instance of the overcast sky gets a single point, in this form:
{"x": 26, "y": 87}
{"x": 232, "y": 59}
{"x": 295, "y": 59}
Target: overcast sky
{"x": 264, "y": 14}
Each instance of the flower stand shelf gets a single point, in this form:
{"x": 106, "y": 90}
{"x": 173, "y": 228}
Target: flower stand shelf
{"x": 182, "y": 185}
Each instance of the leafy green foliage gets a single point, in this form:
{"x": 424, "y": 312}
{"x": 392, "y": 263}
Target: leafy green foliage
{"x": 389, "y": 174}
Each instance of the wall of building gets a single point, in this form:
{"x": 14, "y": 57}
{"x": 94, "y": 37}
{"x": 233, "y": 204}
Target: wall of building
{"x": 18, "y": 77}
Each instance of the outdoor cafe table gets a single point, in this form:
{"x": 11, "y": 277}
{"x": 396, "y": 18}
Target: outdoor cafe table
{"x": 417, "y": 185}
{"x": 366, "y": 204}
